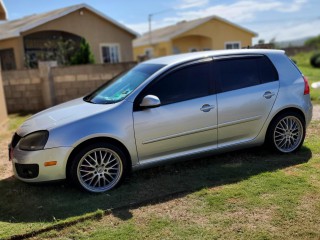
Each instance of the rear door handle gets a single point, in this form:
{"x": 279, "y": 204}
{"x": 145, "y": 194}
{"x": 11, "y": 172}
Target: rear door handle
{"x": 268, "y": 95}
{"x": 207, "y": 108}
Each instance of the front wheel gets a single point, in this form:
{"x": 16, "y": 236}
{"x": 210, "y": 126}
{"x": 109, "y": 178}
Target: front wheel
{"x": 287, "y": 132}
{"x": 99, "y": 167}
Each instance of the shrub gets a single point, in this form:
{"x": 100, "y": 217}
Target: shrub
{"x": 315, "y": 60}
{"x": 313, "y": 42}
{"x": 83, "y": 55}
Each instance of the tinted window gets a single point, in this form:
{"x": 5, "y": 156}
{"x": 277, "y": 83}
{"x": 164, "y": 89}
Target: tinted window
{"x": 238, "y": 73}
{"x": 183, "y": 84}
{"x": 268, "y": 73}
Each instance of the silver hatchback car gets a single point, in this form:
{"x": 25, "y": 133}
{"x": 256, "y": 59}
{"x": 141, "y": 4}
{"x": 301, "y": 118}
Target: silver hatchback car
{"x": 175, "y": 107}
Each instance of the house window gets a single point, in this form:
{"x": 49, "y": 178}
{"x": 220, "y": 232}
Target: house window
{"x": 232, "y": 45}
{"x": 193, "y": 50}
{"x": 148, "y": 52}
{"x": 110, "y": 53}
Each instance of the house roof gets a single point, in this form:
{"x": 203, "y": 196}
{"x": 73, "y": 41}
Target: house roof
{"x": 14, "y": 28}
{"x": 3, "y": 11}
{"x": 167, "y": 33}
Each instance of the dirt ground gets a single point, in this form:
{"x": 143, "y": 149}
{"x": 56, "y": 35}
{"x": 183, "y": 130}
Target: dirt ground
{"x": 316, "y": 112}
{"x": 5, "y": 165}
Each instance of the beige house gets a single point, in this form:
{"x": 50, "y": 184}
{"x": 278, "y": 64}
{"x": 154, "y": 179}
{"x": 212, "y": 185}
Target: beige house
{"x": 22, "y": 41}
{"x": 210, "y": 33}
{"x": 3, "y": 109}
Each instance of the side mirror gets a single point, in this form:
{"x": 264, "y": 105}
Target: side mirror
{"x": 150, "y": 101}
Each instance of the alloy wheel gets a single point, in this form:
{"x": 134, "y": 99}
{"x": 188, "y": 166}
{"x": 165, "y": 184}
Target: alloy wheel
{"x": 288, "y": 134}
{"x": 99, "y": 170}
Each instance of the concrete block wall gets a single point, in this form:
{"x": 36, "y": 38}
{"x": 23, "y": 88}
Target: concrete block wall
{"x": 24, "y": 90}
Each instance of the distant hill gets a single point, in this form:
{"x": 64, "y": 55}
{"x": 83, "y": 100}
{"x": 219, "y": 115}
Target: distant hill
{"x": 292, "y": 43}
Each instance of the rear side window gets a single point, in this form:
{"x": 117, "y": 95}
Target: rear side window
{"x": 187, "y": 83}
{"x": 238, "y": 73}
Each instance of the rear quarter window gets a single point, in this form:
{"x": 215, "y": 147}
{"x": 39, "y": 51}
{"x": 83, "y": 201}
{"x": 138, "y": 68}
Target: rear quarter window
{"x": 268, "y": 72}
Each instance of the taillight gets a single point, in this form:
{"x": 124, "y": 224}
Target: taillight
{"x": 306, "y": 86}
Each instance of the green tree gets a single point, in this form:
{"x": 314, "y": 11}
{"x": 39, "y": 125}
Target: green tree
{"x": 83, "y": 55}
{"x": 313, "y": 42}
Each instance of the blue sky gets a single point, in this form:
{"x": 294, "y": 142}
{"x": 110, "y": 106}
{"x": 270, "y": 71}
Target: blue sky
{"x": 279, "y": 19}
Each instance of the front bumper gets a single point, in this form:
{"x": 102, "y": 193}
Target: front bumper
{"x": 29, "y": 166}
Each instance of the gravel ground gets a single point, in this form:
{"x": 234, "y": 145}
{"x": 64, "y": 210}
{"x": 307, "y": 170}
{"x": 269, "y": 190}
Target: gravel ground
{"x": 5, "y": 165}
{"x": 316, "y": 112}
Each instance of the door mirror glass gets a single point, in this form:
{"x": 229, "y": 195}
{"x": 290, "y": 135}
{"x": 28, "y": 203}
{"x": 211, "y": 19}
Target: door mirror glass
{"x": 150, "y": 101}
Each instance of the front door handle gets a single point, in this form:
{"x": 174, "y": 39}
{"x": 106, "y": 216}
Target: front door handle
{"x": 268, "y": 95}
{"x": 207, "y": 108}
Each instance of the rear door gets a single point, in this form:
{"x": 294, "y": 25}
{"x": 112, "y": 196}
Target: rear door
{"x": 248, "y": 87}
{"x": 185, "y": 122}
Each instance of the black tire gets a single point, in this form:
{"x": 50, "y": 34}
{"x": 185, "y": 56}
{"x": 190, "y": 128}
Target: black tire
{"x": 286, "y": 139}
{"x": 99, "y": 167}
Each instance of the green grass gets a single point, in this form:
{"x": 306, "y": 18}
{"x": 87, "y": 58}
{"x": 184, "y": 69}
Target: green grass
{"x": 313, "y": 74}
{"x": 15, "y": 120}
{"x": 250, "y": 195}
{"x": 245, "y": 194}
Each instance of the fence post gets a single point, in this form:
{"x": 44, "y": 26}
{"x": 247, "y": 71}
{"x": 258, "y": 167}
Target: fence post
{"x": 48, "y": 90}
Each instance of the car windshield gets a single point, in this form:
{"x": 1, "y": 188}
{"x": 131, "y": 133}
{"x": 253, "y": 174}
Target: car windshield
{"x": 120, "y": 87}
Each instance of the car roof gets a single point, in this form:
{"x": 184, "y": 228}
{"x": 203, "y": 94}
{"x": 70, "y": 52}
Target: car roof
{"x": 185, "y": 57}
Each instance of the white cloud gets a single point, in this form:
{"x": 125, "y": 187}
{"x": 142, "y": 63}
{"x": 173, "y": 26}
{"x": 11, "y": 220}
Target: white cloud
{"x": 284, "y": 32}
{"x": 241, "y": 12}
{"x": 138, "y": 27}
{"x": 185, "y": 4}
{"x": 294, "y": 7}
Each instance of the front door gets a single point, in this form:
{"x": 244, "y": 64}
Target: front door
{"x": 185, "y": 122}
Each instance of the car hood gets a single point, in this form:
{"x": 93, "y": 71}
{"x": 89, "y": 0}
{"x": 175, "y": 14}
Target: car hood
{"x": 62, "y": 114}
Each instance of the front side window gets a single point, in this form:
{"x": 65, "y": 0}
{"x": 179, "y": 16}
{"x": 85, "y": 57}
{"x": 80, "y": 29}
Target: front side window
{"x": 110, "y": 53}
{"x": 120, "y": 87}
{"x": 187, "y": 83}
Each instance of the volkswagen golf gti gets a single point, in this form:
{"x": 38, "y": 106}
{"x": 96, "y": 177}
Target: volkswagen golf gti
{"x": 170, "y": 108}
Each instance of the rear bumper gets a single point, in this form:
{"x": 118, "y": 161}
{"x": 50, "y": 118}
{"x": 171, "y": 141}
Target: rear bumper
{"x": 29, "y": 166}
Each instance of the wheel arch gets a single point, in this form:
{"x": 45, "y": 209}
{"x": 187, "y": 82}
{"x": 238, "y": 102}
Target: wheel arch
{"x": 97, "y": 140}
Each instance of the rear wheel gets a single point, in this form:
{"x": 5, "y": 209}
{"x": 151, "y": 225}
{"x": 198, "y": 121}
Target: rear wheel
{"x": 287, "y": 132}
{"x": 99, "y": 167}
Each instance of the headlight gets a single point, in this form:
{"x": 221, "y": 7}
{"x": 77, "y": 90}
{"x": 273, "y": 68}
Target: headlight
{"x": 34, "y": 141}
